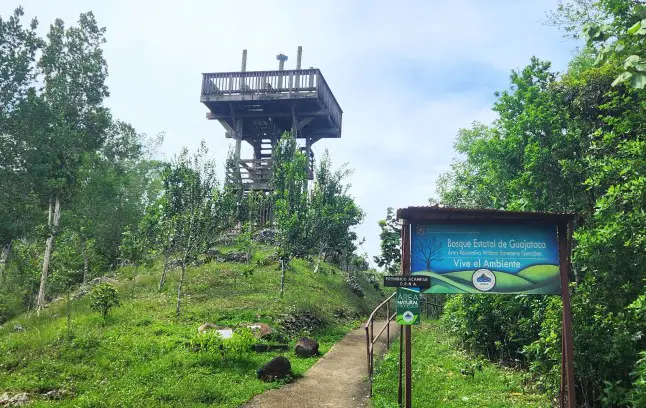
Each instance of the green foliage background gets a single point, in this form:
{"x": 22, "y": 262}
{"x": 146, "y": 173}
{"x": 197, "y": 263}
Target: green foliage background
{"x": 566, "y": 142}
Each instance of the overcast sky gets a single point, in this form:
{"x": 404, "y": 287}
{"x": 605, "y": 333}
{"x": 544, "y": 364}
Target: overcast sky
{"x": 407, "y": 75}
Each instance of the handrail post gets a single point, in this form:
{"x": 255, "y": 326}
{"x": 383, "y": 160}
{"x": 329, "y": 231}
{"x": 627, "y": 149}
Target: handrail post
{"x": 372, "y": 331}
{"x": 372, "y": 345}
{"x": 370, "y": 336}
{"x": 388, "y": 327}
{"x": 369, "y": 367}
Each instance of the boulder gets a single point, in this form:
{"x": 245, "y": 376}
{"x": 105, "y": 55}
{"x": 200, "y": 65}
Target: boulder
{"x": 206, "y": 327}
{"x": 235, "y": 256}
{"x": 56, "y": 394}
{"x": 278, "y": 368}
{"x": 265, "y": 236}
{"x": 102, "y": 279}
{"x": 18, "y": 328}
{"x": 86, "y": 287}
{"x": 306, "y": 347}
{"x": 225, "y": 333}
{"x": 261, "y": 330}
{"x": 260, "y": 348}
{"x": 17, "y": 400}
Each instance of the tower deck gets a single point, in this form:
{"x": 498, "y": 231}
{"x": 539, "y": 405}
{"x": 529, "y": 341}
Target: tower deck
{"x": 267, "y": 102}
{"x": 259, "y": 106}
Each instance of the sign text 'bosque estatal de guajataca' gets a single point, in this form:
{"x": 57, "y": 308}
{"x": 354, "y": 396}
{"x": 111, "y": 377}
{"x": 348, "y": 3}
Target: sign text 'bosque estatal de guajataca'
{"x": 487, "y": 257}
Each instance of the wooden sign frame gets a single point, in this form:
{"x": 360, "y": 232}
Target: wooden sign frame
{"x": 563, "y": 222}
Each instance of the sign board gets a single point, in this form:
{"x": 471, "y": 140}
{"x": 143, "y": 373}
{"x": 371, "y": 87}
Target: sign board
{"x": 502, "y": 258}
{"x": 408, "y": 306}
{"x": 407, "y": 281}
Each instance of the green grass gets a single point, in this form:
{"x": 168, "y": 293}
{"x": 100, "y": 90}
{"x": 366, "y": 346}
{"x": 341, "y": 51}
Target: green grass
{"x": 534, "y": 279}
{"x": 140, "y": 356}
{"x": 439, "y": 382}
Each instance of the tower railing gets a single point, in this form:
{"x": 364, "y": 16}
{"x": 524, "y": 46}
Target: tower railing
{"x": 275, "y": 83}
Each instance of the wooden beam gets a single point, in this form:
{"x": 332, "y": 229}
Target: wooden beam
{"x": 226, "y": 126}
{"x": 263, "y": 96}
{"x": 246, "y": 115}
{"x": 304, "y": 122}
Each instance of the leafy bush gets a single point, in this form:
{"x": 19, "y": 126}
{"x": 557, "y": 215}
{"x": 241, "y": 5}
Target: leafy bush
{"x": 496, "y": 325}
{"x": 104, "y": 297}
{"x": 211, "y": 341}
{"x": 208, "y": 341}
{"x": 240, "y": 343}
{"x": 638, "y": 394}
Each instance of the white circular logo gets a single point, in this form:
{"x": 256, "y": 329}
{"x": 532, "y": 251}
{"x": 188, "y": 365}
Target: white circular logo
{"x": 408, "y": 316}
{"x": 483, "y": 279}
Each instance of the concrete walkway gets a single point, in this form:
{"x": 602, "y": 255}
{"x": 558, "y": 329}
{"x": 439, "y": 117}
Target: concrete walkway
{"x": 337, "y": 380}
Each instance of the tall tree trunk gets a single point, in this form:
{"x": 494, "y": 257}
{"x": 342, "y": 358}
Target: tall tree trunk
{"x": 163, "y": 276}
{"x": 69, "y": 316}
{"x": 4, "y": 257}
{"x": 134, "y": 279}
{"x": 187, "y": 251}
{"x": 282, "y": 277}
{"x": 86, "y": 261}
{"x": 318, "y": 261}
{"x": 179, "y": 289}
{"x": 49, "y": 246}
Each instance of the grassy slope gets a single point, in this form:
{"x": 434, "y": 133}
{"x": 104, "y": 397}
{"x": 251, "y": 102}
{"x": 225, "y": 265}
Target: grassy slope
{"x": 438, "y": 381}
{"x": 140, "y": 357}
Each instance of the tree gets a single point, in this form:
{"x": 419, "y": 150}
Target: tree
{"x": 191, "y": 190}
{"x": 67, "y": 116}
{"x": 289, "y": 180}
{"x": 428, "y": 250}
{"x": 563, "y": 143}
{"x": 390, "y": 236}
{"x": 615, "y": 30}
{"x": 18, "y": 48}
{"x": 332, "y": 213}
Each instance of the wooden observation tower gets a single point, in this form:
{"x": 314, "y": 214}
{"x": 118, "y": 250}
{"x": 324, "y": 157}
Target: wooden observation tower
{"x": 258, "y": 106}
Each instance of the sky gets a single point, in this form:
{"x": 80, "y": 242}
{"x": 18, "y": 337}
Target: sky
{"x": 407, "y": 75}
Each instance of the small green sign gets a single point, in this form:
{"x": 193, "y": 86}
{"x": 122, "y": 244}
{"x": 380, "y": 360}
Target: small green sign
{"x": 407, "y": 306}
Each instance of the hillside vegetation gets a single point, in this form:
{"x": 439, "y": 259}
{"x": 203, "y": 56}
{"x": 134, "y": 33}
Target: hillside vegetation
{"x": 565, "y": 142}
{"x": 144, "y": 355}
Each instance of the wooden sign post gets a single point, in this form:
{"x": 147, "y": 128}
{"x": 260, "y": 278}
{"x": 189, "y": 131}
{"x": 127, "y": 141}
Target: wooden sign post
{"x": 488, "y": 252}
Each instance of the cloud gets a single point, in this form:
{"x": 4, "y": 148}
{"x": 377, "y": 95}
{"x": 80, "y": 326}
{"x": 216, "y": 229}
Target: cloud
{"x": 407, "y": 75}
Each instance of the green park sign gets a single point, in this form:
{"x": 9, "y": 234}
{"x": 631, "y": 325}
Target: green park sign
{"x": 408, "y": 306}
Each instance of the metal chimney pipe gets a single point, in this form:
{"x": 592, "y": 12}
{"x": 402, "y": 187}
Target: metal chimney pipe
{"x": 281, "y": 67}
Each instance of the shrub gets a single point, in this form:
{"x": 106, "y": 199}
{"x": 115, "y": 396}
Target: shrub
{"x": 207, "y": 341}
{"x": 211, "y": 341}
{"x": 104, "y": 297}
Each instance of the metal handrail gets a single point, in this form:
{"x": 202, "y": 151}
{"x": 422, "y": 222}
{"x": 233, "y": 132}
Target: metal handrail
{"x": 371, "y": 339}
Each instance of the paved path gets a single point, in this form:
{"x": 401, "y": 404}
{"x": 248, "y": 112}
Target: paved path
{"x": 337, "y": 380}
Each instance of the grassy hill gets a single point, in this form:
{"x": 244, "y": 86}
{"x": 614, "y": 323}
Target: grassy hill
{"x": 146, "y": 356}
